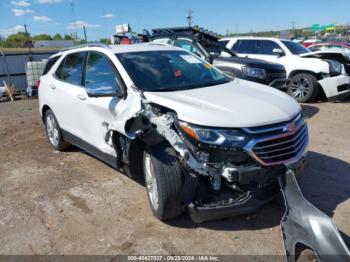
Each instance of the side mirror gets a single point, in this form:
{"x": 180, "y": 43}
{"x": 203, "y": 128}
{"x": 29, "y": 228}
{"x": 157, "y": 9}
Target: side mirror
{"x": 278, "y": 52}
{"x": 106, "y": 91}
{"x": 97, "y": 93}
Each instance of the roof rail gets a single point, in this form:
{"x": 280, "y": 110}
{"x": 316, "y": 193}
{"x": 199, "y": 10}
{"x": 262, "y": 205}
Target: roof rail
{"x": 85, "y": 45}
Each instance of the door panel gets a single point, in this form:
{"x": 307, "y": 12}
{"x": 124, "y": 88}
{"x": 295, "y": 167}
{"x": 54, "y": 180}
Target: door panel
{"x": 68, "y": 92}
{"x": 101, "y": 77}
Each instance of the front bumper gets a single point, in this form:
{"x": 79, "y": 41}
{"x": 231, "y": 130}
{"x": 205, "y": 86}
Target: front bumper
{"x": 251, "y": 201}
{"x": 336, "y": 88}
{"x": 280, "y": 83}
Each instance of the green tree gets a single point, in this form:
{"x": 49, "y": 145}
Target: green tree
{"x": 42, "y": 37}
{"x": 16, "y": 40}
{"x": 67, "y": 37}
{"x": 57, "y": 37}
{"x": 105, "y": 41}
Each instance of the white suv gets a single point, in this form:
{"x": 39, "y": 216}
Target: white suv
{"x": 309, "y": 75}
{"x": 201, "y": 140}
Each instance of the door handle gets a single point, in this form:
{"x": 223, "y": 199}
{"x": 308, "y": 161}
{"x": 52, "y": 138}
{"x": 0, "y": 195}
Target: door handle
{"x": 81, "y": 96}
{"x": 52, "y": 86}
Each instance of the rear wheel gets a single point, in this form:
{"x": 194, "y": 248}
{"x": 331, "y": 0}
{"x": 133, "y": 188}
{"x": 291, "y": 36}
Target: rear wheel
{"x": 303, "y": 87}
{"x": 53, "y": 132}
{"x": 163, "y": 179}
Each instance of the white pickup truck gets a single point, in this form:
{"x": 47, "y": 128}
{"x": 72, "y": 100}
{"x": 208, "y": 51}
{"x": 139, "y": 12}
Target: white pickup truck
{"x": 310, "y": 73}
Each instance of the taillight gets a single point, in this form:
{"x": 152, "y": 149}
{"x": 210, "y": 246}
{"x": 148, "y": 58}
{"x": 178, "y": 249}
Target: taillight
{"x": 37, "y": 83}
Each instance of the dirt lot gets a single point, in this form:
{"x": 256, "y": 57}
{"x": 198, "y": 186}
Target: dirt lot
{"x": 71, "y": 203}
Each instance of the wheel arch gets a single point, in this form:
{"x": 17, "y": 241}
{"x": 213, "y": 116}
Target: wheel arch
{"x": 44, "y": 110}
{"x": 317, "y": 75}
{"x": 297, "y": 72}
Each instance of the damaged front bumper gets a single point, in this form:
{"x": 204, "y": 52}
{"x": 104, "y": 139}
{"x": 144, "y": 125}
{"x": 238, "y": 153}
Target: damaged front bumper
{"x": 245, "y": 204}
{"x": 304, "y": 224}
{"x": 336, "y": 87}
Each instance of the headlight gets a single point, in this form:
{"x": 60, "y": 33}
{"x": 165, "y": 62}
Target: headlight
{"x": 254, "y": 72}
{"x": 335, "y": 67}
{"x": 218, "y": 137}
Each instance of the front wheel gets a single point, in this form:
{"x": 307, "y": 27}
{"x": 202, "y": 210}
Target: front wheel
{"x": 303, "y": 87}
{"x": 164, "y": 181}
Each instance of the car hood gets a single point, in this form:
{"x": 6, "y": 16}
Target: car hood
{"x": 331, "y": 53}
{"x": 238, "y": 103}
{"x": 248, "y": 62}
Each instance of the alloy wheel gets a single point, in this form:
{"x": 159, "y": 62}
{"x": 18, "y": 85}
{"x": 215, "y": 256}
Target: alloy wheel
{"x": 300, "y": 87}
{"x": 52, "y": 130}
{"x": 151, "y": 183}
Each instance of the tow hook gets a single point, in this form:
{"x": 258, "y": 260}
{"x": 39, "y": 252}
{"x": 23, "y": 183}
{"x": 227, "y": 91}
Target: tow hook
{"x": 303, "y": 223}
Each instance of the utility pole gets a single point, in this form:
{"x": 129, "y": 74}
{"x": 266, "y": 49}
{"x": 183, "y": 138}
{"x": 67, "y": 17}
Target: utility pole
{"x": 190, "y": 17}
{"x": 28, "y": 42}
{"x": 74, "y": 18}
{"x": 85, "y": 34}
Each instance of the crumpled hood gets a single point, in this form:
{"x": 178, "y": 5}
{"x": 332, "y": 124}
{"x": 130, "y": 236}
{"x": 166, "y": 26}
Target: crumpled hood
{"x": 338, "y": 54}
{"x": 238, "y": 103}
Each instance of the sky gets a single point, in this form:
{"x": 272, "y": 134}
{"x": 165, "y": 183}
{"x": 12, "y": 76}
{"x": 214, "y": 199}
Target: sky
{"x": 220, "y": 16}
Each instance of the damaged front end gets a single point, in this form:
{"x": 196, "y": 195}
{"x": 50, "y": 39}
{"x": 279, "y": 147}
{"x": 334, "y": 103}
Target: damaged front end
{"x": 227, "y": 181}
{"x": 336, "y": 84}
{"x": 227, "y": 172}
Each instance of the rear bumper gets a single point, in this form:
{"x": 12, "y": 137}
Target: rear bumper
{"x": 336, "y": 88}
{"x": 248, "y": 204}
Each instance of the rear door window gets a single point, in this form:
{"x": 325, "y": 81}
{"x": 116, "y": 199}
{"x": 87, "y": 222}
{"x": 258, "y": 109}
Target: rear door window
{"x": 245, "y": 46}
{"x": 71, "y": 69}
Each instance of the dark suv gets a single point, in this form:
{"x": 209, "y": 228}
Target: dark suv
{"x": 207, "y": 46}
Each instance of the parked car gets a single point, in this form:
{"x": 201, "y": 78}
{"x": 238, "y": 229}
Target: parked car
{"x": 309, "y": 74}
{"x": 306, "y": 43}
{"x": 322, "y": 46}
{"x": 207, "y": 46}
{"x": 331, "y": 45}
{"x": 202, "y": 141}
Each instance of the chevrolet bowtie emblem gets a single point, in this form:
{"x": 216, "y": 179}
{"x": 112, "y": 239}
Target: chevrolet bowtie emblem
{"x": 289, "y": 128}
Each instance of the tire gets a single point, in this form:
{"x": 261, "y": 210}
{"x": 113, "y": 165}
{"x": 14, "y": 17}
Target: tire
{"x": 163, "y": 179}
{"x": 306, "y": 255}
{"x": 303, "y": 87}
{"x": 53, "y": 132}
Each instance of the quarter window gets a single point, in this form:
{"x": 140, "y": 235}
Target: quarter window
{"x": 71, "y": 69}
{"x": 223, "y": 43}
{"x": 101, "y": 76}
{"x": 50, "y": 64}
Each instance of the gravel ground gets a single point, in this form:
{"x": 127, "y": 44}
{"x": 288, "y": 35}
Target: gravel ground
{"x": 71, "y": 203}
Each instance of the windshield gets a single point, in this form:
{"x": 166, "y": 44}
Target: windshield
{"x": 295, "y": 48}
{"x": 169, "y": 71}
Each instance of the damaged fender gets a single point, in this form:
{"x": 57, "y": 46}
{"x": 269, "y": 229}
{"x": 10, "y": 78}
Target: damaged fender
{"x": 304, "y": 223}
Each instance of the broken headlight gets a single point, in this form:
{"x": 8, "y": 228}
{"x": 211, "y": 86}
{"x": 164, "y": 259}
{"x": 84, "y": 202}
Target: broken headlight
{"x": 214, "y": 136}
{"x": 335, "y": 67}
